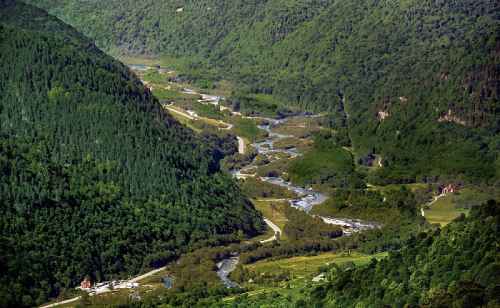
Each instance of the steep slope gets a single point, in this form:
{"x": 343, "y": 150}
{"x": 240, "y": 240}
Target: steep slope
{"x": 417, "y": 82}
{"x": 458, "y": 266}
{"x": 95, "y": 178}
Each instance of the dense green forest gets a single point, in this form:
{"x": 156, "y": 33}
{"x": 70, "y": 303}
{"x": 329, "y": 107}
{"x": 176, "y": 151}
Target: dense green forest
{"x": 456, "y": 266}
{"x": 414, "y": 81}
{"x": 95, "y": 179}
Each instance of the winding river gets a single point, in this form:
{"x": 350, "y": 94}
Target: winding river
{"x": 307, "y": 197}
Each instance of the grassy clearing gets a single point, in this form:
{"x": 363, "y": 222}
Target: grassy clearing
{"x": 275, "y": 168}
{"x": 303, "y": 145}
{"x": 306, "y": 169}
{"x": 289, "y": 277}
{"x": 414, "y": 187}
{"x": 139, "y": 60}
{"x": 443, "y": 211}
{"x": 153, "y": 76}
{"x": 310, "y": 265}
{"x": 183, "y": 119}
{"x": 300, "y": 127}
{"x": 258, "y": 189}
{"x": 208, "y": 111}
{"x": 447, "y": 208}
{"x": 273, "y": 210}
{"x": 259, "y": 104}
{"x": 247, "y": 128}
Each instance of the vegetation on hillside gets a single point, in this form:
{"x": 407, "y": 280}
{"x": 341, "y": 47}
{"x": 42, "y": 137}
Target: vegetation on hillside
{"x": 95, "y": 178}
{"x": 416, "y": 82}
{"x": 454, "y": 267}
{"x": 457, "y": 266}
{"x": 326, "y": 164}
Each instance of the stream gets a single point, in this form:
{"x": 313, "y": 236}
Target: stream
{"x": 225, "y": 267}
{"x": 307, "y": 197}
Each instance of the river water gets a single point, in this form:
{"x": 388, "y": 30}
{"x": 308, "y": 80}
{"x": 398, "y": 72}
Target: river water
{"x": 307, "y": 197}
{"x": 224, "y": 268}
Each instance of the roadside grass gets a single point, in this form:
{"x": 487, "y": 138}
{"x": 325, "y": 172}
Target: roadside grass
{"x": 268, "y": 234}
{"x": 114, "y": 298}
{"x": 273, "y": 210}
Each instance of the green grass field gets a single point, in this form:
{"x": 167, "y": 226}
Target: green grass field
{"x": 273, "y": 210}
{"x": 247, "y": 128}
{"x": 257, "y": 189}
{"x": 300, "y": 127}
{"x": 309, "y": 265}
{"x": 301, "y": 270}
{"x": 305, "y": 169}
{"x": 443, "y": 211}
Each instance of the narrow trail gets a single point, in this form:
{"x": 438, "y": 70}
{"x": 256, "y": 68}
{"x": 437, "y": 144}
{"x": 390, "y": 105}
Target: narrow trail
{"x": 241, "y": 145}
{"x": 436, "y": 198}
{"x": 275, "y": 228}
{"x": 148, "y": 274}
{"x": 63, "y": 302}
{"x": 180, "y": 113}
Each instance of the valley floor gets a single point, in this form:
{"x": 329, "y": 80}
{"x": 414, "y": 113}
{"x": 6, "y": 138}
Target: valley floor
{"x": 273, "y": 157}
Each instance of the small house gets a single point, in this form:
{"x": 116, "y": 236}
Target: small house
{"x": 86, "y": 283}
{"x": 448, "y": 189}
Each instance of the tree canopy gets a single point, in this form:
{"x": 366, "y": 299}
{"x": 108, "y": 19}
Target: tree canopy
{"x": 95, "y": 178}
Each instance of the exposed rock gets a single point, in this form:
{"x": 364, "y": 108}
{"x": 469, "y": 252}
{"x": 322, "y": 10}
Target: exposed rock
{"x": 382, "y": 115}
{"x": 450, "y": 117}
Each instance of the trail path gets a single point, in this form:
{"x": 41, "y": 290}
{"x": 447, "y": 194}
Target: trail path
{"x": 241, "y": 145}
{"x": 181, "y": 113}
{"x": 148, "y": 274}
{"x": 275, "y": 228}
{"x": 63, "y": 302}
{"x": 436, "y": 198}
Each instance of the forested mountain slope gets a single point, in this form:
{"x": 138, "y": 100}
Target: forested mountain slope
{"x": 95, "y": 179}
{"x": 457, "y": 266}
{"x": 416, "y": 81}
